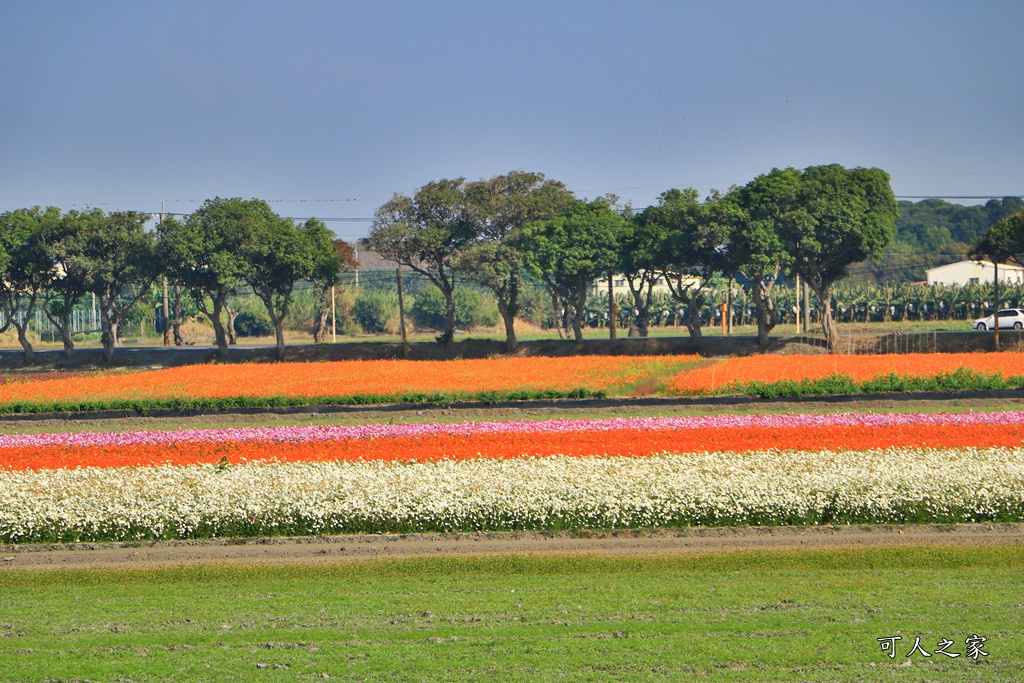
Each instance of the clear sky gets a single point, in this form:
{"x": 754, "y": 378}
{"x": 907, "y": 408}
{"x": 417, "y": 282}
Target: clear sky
{"x": 122, "y": 104}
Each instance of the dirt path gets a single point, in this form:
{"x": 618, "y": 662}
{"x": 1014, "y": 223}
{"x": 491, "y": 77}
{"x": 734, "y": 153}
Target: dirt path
{"x": 337, "y": 549}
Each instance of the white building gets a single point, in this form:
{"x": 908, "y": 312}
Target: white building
{"x": 621, "y": 287}
{"x": 976, "y": 272}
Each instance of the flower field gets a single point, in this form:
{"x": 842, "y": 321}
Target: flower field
{"x": 734, "y": 373}
{"x": 379, "y": 380}
{"x": 550, "y": 474}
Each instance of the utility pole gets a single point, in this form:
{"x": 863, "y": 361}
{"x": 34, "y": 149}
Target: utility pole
{"x": 728, "y": 306}
{"x": 334, "y": 317}
{"x": 995, "y": 316}
{"x": 807, "y": 307}
{"x": 167, "y": 310}
{"x": 797, "y": 290}
{"x": 612, "y": 311}
{"x": 357, "y": 264}
{"x": 401, "y": 312}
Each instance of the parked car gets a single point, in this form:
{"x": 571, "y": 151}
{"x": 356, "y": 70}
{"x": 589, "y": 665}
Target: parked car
{"x": 1009, "y": 319}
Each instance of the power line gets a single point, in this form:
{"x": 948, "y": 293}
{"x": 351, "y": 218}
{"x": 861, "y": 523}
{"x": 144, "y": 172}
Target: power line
{"x": 294, "y": 218}
{"x": 957, "y": 197}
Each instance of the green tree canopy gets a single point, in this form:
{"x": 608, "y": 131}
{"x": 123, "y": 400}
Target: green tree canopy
{"x": 496, "y": 210}
{"x": 279, "y": 254}
{"x": 427, "y": 233}
{"x": 207, "y": 253}
{"x": 830, "y": 217}
{"x": 26, "y": 268}
{"x": 570, "y": 251}
{"x": 119, "y": 259}
{"x": 692, "y": 247}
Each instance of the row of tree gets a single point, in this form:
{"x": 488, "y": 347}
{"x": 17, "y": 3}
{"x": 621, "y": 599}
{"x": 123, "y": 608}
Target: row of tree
{"x": 813, "y": 223}
{"x": 52, "y": 260}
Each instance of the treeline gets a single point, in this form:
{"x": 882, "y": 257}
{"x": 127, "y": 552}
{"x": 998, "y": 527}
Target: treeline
{"x": 497, "y": 233}
{"x": 53, "y": 260}
{"x": 525, "y": 240}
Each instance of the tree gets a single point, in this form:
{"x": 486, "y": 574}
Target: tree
{"x": 119, "y": 261}
{"x": 207, "y": 254}
{"x": 755, "y": 247}
{"x": 427, "y": 233}
{"x": 496, "y": 210}
{"x": 278, "y": 255}
{"x": 570, "y": 251}
{"x": 830, "y": 218}
{"x": 324, "y": 279}
{"x": 640, "y": 247}
{"x": 25, "y": 267}
{"x": 1003, "y": 242}
{"x": 63, "y": 242}
{"x": 692, "y": 248}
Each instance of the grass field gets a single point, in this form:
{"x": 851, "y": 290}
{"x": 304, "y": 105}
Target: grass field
{"x": 793, "y": 616}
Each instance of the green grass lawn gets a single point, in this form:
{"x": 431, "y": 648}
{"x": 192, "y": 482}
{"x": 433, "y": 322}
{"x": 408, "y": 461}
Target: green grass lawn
{"x": 784, "y": 616}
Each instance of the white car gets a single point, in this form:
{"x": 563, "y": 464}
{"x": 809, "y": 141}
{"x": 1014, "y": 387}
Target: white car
{"x": 1009, "y": 319}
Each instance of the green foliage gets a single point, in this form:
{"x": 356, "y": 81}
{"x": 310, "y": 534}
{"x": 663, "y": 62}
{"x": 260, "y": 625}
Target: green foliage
{"x": 253, "y": 323}
{"x": 150, "y": 406}
{"x": 426, "y": 233}
{"x": 570, "y": 251}
{"x": 472, "y": 309}
{"x": 374, "y": 310}
{"x": 962, "y": 379}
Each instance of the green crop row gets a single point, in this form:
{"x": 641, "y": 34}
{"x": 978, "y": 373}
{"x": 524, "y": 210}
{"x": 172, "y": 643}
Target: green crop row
{"x": 149, "y": 406}
{"x": 962, "y": 379}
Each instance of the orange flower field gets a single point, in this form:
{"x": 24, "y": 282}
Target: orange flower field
{"x": 346, "y": 378}
{"x": 861, "y": 368}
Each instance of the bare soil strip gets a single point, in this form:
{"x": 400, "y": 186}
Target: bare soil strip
{"x": 339, "y": 549}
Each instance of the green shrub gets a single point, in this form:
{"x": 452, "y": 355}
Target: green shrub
{"x": 373, "y": 309}
{"x": 252, "y": 323}
{"x": 472, "y": 309}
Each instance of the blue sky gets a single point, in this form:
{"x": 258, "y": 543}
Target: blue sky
{"x": 122, "y": 104}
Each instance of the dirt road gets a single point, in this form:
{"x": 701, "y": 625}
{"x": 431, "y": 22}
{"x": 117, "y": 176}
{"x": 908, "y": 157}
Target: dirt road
{"x": 610, "y": 543}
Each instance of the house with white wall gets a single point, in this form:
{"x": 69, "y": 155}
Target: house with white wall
{"x": 974, "y": 272}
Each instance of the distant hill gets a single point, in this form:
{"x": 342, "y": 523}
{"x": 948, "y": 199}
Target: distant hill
{"x": 931, "y": 233}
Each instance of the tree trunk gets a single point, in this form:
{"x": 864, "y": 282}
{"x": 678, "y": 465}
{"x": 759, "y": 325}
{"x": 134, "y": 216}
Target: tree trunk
{"x": 108, "y": 337}
{"x": 693, "y": 318}
{"x": 579, "y": 306}
{"x": 63, "y": 324}
{"x": 767, "y": 317}
{"x": 828, "y": 325}
{"x": 232, "y": 314}
{"x": 26, "y": 345}
{"x": 643, "y": 316}
{"x": 559, "y": 312}
{"x": 279, "y": 334}
{"x": 65, "y": 337}
{"x": 642, "y": 301}
{"x": 449, "y": 319}
{"x": 220, "y": 336}
{"x": 320, "y": 326}
{"x": 577, "y": 326}
{"x": 176, "y": 319}
{"x": 508, "y": 310}
{"x": 511, "y": 343}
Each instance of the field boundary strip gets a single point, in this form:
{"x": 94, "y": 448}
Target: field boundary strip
{"x": 597, "y": 403}
{"x": 346, "y": 548}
